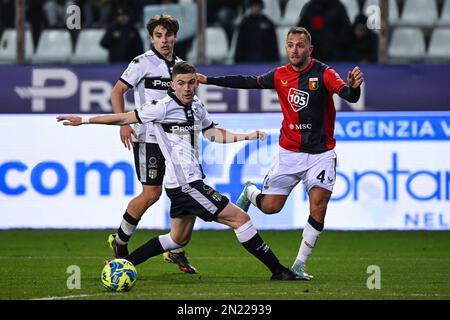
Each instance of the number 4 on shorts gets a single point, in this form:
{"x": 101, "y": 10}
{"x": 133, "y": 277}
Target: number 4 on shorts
{"x": 321, "y": 176}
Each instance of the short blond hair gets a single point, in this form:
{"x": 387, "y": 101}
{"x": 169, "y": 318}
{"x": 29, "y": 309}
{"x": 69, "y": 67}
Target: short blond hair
{"x": 299, "y": 30}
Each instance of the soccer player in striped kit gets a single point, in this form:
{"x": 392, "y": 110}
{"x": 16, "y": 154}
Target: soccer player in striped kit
{"x": 178, "y": 119}
{"x": 149, "y": 75}
{"x": 305, "y": 89}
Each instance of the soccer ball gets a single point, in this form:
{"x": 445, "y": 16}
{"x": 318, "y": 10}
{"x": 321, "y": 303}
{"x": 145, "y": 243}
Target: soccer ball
{"x": 119, "y": 275}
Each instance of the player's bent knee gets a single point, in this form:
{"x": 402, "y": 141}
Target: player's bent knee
{"x": 319, "y": 205}
{"x": 151, "y": 194}
{"x": 233, "y": 216}
{"x": 242, "y": 218}
{"x": 271, "y": 208}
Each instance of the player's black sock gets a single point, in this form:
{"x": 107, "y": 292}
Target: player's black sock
{"x": 257, "y": 247}
{"x": 315, "y": 224}
{"x": 126, "y": 229}
{"x": 150, "y": 249}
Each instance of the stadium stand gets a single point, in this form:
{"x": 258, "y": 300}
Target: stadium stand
{"x": 393, "y": 15}
{"x": 88, "y": 49}
{"x": 272, "y": 9}
{"x": 8, "y": 46}
{"x": 55, "y": 46}
{"x": 292, "y": 12}
{"x": 407, "y": 44}
{"x": 419, "y": 13}
{"x": 429, "y": 20}
{"x": 145, "y": 38}
{"x": 439, "y": 48}
{"x": 281, "y": 38}
{"x": 444, "y": 20}
{"x": 216, "y": 50}
{"x": 352, "y": 8}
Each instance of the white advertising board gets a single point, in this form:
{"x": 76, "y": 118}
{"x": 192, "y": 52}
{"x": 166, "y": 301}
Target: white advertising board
{"x": 393, "y": 172}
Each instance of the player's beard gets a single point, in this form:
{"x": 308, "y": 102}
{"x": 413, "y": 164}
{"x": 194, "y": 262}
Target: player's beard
{"x": 301, "y": 63}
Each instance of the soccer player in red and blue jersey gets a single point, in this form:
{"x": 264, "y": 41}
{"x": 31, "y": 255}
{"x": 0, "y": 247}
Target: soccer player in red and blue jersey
{"x": 305, "y": 89}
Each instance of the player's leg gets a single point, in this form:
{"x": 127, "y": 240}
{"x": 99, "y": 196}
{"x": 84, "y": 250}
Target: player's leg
{"x": 150, "y": 167}
{"x": 277, "y": 185}
{"x": 249, "y": 238}
{"x": 135, "y": 210}
{"x": 179, "y": 235}
{"x": 319, "y": 181}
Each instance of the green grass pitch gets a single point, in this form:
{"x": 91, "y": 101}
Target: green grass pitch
{"x": 413, "y": 265}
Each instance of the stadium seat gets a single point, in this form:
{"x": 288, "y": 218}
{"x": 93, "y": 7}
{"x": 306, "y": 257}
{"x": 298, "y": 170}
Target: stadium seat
{"x": 352, "y": 8}
{"x": 407, "y": 44}
{"x": 232, "y": 50}
{"x": 272, "y": 9}
{"x": 55, "y": 46}
{"x": 281, "y": 38}
{"x": 419, "y": 13}
{"x": 8, "y": 46}
{"x": 292, "y": 12}
{"x": 145, "y": 39}
{"x": 216, "y": 46}
{"x": 439, "y": 49}
{"x": 392, "y": 11}
{"x": 444, "y": 20}
{"x": 88, "y": 48}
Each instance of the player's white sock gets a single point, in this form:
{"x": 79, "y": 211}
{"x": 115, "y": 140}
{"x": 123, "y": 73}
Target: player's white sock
{"x": 167, "y": 243}
{"x": 245, "y": 232}
{"x": 126, "y": 229}
{"x": 252, "y": 192}
{"x": 310, "y": 237}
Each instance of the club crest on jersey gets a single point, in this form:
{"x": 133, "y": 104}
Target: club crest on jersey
{"x": 152, "y": 173}
{"x": 216, "y": 196}
{"x": 283, "y": 83}
{"x": 313, "y": 83}
{"x": 298, "y": 99}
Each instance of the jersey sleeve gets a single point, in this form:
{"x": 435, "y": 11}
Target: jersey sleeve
{"x": 134, "y": 73}
{"x": 333, "y": 81}
{"x": 151, "y": 112}
{"x": 204, "y": 117}
{"x": 265, "y": 81}
{"x": 335, "y": 84}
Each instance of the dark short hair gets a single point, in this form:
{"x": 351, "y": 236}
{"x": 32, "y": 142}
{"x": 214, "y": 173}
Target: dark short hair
{"x": 183, "y": 67}
{"x": 164, "y": 20}
{"x": 299, "y": 30}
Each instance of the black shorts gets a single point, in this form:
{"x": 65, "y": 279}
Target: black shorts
{"x": 196, "y": 199}
{"x": 149, "y": 163}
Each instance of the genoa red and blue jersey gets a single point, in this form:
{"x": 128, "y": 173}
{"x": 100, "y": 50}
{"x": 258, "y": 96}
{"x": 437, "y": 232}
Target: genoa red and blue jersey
{"x": 306, "y": 100}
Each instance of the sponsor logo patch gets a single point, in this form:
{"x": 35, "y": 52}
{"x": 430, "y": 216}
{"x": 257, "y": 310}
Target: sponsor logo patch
{"x": 298, "y": 99}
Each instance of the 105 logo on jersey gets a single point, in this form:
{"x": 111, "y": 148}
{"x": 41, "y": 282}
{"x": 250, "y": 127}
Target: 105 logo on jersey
{"x": 298, "y": 99}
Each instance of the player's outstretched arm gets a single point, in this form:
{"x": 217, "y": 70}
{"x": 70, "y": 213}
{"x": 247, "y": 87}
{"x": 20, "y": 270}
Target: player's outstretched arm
{"x": 232, "y": 81}
{"x": 119, "y": 119}
{"x": 221, "y": 135}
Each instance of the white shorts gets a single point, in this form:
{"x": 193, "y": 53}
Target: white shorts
{"x": 315, "y": 170}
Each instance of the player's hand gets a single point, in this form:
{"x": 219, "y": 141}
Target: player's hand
{"x": 355, "y": 77}
{"x": 202, "y": 78}
{"x": 125, "y": 136}
{"x": 69, "y": 120}
{"x": 261, "y": 135}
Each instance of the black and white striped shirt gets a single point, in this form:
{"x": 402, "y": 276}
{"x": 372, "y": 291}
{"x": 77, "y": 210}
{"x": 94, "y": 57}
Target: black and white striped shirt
{"x": 177, "y": 127}
{"x": 149, "y": 74}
